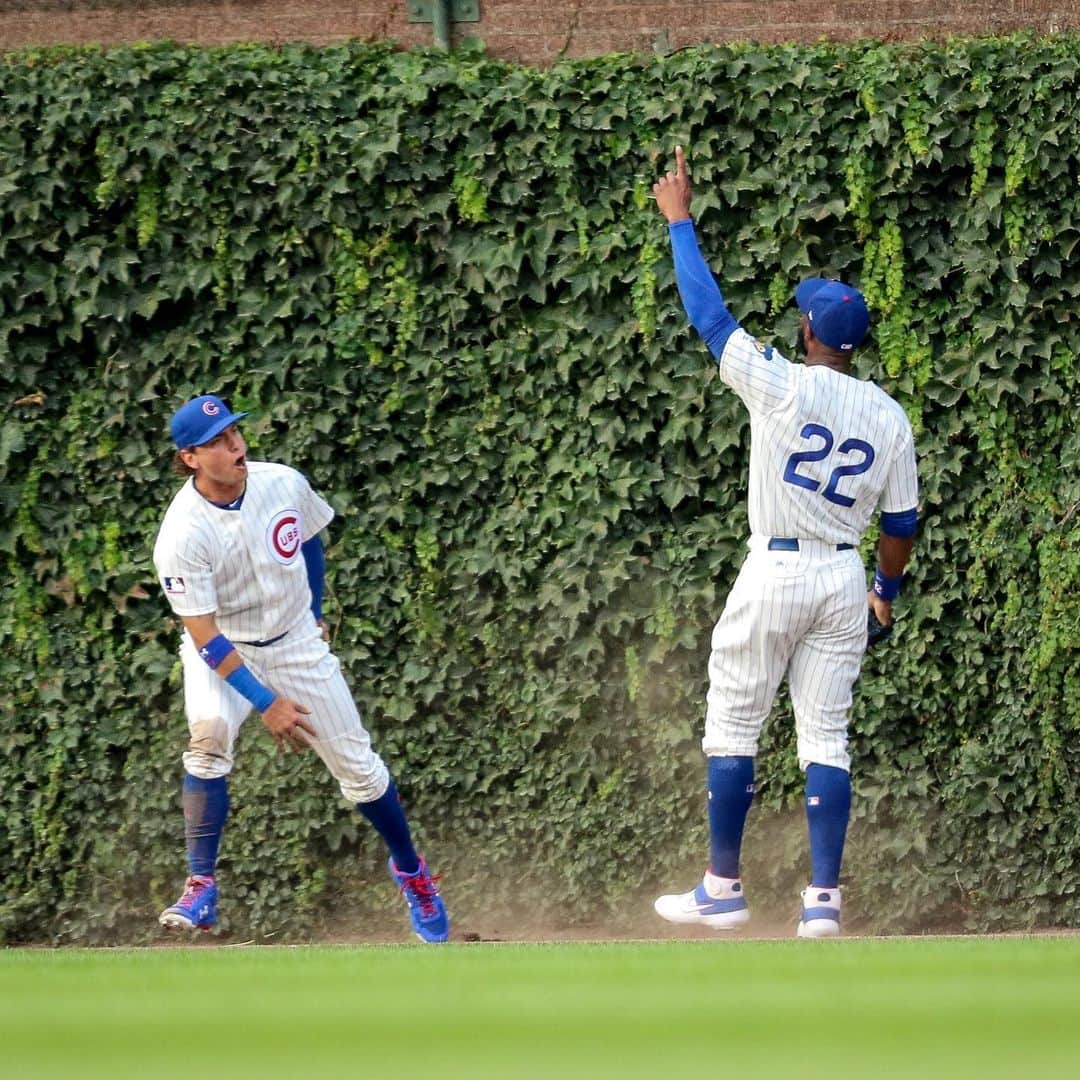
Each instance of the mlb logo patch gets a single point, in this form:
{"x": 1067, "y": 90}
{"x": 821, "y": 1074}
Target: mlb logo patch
{"x": 813, "y": 800}
{"x": 174, "y": 585}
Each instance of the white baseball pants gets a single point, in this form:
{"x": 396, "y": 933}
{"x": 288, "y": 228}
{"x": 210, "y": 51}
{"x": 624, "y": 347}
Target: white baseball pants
{"x": 302, "y": 667}
{"x": 800, "y": 613}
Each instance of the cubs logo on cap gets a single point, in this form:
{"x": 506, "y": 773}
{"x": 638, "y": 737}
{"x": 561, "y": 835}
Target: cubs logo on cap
{"x": 200, "y": 419}
{"x": 837, "y": 312}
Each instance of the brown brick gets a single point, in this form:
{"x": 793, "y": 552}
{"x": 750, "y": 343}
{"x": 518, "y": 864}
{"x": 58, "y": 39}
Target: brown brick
{"x": 523, "y": 30}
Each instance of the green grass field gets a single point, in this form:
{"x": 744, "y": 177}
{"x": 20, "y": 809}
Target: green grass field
{"x": 920, "y": 1007}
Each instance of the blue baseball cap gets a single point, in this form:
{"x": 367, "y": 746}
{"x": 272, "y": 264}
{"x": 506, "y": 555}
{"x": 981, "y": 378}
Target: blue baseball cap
{"x": 200, "y": 419}
{"x": 837, "y": 312}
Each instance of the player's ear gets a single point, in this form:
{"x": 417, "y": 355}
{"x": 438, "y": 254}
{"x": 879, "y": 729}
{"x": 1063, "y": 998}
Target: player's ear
{"x": 188, "y": 457}
{"x": 807, "y": 329}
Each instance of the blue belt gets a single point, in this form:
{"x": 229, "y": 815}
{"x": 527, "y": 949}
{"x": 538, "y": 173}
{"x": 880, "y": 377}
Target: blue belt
{"x": 788, "y": 543}
{"x": 263, "y": 644}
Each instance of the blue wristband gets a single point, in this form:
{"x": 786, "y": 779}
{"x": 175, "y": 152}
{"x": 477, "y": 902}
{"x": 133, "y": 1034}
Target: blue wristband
{"x": 888, "y": 588}
{"x": 215, "y": 650}
{"x": 243, "y": 682}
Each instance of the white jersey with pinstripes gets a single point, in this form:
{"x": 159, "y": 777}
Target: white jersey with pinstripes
{"x": 826, "y": 450}
{"x": 243, "y": 566}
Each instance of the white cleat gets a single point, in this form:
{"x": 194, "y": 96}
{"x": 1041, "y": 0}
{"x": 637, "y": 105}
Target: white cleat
{"x": 725, "y": 911}
{"x": 820, "y": 916}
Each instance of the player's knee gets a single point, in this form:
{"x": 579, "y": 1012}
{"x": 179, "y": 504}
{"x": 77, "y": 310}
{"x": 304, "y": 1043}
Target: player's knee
{"x": 726, "y": 737}
{"x": 834, "y": 759}
{"x": 366, "y": 783}
{"x": 209, "y": 739}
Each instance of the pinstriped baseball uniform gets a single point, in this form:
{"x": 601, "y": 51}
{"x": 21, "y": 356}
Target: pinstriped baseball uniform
{"x": 245, "y": 567}
{"x": 827, "y": 451}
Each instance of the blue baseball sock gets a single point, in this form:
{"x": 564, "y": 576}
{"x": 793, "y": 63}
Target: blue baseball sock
{"x": 828, "y": 804}
{"x": 388, "y": 817}
{"x": 731, "y": 791}
{"x": 206, "y": 806}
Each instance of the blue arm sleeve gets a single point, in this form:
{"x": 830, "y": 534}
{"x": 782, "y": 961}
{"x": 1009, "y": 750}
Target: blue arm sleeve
{"x": 315, "y": 561}
{"x": 901, "y": 524}
{"x": 700, "y": 294}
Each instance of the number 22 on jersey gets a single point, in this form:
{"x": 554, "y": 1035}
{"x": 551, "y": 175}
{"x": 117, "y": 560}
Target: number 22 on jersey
{"x": 813, "y": 432}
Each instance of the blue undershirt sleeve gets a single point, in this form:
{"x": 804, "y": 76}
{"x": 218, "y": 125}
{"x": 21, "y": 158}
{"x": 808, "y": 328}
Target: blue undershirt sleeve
{"x": 902, "y": 524}
{"x": 315, "y": 562}
{"x": 701, "y": 296}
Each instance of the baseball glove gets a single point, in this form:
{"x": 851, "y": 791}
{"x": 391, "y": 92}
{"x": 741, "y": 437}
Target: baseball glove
{"x": 876, "y": 632}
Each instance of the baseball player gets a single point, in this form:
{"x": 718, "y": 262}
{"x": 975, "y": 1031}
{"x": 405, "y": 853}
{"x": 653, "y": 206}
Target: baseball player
{"x": 826, "y": 451}
{"x": 240, "y": 560}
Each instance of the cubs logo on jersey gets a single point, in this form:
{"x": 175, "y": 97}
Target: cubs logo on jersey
{"x": 283, "y": 536}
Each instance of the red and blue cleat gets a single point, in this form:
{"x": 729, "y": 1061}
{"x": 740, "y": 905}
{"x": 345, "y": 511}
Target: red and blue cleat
{"x": 426, "y": 908}
{"x": 196, "y": 909}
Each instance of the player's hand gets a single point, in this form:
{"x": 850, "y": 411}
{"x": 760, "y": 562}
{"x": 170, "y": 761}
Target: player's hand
{"x": 285, "y": 721}
{"x": 878, "y": 620}
{"x": 672, "y": 192}
{"x": 882, "y": 609}
{"x": 323, "y": 629}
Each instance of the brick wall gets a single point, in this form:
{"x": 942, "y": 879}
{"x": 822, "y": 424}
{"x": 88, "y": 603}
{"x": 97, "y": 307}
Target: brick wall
{"x": 523, "y": 30}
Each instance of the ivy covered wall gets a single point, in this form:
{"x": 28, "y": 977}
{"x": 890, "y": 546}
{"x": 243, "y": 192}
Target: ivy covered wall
{"x": 439, "y": 285}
